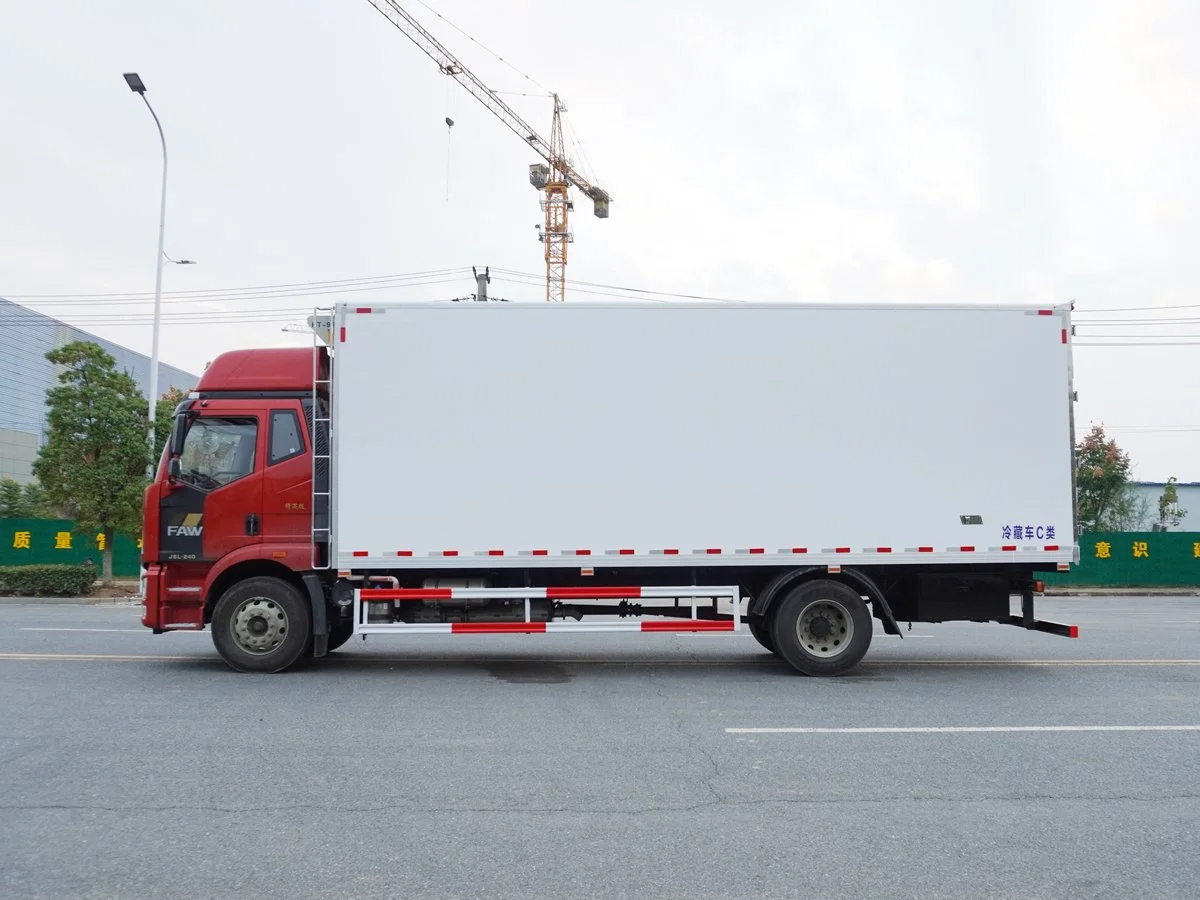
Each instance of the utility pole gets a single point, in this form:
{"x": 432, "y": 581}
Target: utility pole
{"x": 481, "y": 283}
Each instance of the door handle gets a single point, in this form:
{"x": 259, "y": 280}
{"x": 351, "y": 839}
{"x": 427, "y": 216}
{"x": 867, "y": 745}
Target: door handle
{"x": 252, "y": 525}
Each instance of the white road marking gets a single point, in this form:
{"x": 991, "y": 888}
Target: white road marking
{"x": 963, "y": 729}
{"x": 113, "y": 630}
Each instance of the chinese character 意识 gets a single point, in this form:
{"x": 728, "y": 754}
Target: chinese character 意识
{"x": 100, "y": 541}
{"x": 21, "y": 540}
{"x": 62, "y": 540}
{"x": 1141, "y": 549}
{"x": 1103, "y": 550}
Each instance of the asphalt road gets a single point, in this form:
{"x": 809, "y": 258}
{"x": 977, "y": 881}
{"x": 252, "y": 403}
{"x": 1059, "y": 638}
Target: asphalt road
{"x": 134, "y": 765}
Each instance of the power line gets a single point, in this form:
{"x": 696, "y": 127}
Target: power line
{"x": 1135, "y": 343}
{"x": 1108, "y": 309}
{"x": 1105, "y": 323}
{"x": 248, "y": 289}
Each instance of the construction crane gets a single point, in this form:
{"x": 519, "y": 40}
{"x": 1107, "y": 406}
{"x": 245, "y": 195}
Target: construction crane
{"x": 553, "y": 177}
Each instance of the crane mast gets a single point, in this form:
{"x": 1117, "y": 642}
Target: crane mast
{"x": 553, "y": 178}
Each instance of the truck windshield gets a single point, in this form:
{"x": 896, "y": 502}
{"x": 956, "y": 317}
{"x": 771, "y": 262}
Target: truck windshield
{"x": 218, "y": 451}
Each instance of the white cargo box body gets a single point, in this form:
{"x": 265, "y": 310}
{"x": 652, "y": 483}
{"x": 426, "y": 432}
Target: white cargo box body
{"x": 592, "y": 435}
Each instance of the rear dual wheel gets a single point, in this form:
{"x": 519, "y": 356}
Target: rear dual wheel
{"x": 761, "y": 629}
{"x": 821, "y": 628}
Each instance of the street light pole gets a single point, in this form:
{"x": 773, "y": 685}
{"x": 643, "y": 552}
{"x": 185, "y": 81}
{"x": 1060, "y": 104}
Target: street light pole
{"x": 136, "y": 85}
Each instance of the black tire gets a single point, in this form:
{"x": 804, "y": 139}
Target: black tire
{"x": 762, "y": 633}
{"x": 822, "y": 628}
{"x": 262, "y": 625}
{"x": 339, "y": 633}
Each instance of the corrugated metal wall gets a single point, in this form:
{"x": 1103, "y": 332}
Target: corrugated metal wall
{"x": 25, "y": 376}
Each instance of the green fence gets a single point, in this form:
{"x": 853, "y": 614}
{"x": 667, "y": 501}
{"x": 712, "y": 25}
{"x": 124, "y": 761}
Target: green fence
{"x": 1134, "y": 559}
{"x": 39, "y": 542}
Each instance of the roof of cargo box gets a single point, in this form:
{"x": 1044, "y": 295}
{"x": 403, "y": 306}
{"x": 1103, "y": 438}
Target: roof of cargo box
{"x": 275, "y": 369}
{"x": 706, "y": 303}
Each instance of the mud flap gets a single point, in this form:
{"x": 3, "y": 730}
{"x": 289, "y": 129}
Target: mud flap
{"x": 320, "y": 618}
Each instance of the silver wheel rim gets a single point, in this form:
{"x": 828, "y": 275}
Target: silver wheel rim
{"x": 259, "y": 625}
{"x": 825, "y": 628}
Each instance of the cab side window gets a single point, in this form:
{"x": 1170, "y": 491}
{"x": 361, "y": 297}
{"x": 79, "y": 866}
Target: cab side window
{"x": 286, "y": 441}
{"x": 218, "y": 451}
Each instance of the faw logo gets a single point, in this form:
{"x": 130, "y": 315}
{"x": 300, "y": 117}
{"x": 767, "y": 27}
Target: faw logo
{"x": 190, "y": 526}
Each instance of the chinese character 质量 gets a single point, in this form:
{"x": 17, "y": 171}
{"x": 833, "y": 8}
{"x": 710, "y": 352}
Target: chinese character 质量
{"x": 21, "y": 540}
{"x": 1103, "y": 550}
{"x": 1141, "y": 549}
{"x": 62, "y": 540}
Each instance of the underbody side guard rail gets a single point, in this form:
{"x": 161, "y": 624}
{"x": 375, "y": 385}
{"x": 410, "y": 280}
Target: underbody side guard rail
{"x": 1070, "y": 631}
{"x": 690, "y": 617}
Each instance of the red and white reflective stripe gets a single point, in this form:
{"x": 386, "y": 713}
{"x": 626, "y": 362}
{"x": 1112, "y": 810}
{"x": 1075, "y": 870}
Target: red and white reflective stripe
{"x": 647, "y": 627}
{"x": 600, "y": 592}
{"x": 711, "y": 551}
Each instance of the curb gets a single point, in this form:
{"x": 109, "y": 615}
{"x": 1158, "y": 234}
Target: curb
{"x": 1121, "y": 591}
{"x": 71, "y": 601}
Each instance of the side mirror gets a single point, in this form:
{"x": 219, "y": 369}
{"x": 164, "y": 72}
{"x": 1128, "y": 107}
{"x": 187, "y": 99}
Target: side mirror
{"x": 174, "y": 468}
{"x": 178, "y": 433}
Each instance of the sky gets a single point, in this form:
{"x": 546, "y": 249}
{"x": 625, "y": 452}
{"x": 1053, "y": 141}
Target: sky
{"x": 861, "y": 151}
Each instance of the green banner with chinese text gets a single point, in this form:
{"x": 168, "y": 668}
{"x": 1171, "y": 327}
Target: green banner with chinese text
{"x": 41, "y": 542}
{"x": 1134, "y": 559}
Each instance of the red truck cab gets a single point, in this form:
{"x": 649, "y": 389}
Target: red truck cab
{"x": 232, "y": 496}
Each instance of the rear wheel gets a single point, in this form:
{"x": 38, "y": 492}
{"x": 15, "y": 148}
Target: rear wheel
{"x": 822, "y": 628}
{"x": 261, "y": 625}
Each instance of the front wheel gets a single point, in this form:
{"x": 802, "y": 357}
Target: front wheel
{"x": 822, "y": 628}
{"x": 261, "y": 625}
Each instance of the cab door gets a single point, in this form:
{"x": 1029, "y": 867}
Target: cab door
{"x": 214, "y": 505}
{"x": 287, "y": 479}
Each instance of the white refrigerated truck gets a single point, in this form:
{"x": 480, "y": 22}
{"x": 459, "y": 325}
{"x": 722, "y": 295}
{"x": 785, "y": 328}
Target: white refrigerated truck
{"x": 506, "y": 468}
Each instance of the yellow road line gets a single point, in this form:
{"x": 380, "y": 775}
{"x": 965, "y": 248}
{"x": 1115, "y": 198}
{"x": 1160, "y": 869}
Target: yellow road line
{"x": 89, "y": 657}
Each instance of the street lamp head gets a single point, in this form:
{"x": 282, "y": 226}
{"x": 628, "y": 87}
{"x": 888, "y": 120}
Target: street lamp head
{"x": 135, "y": 82}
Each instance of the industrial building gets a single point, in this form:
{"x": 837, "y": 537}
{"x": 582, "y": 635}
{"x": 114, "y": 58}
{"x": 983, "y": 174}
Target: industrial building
{"x": 26, "y": 337}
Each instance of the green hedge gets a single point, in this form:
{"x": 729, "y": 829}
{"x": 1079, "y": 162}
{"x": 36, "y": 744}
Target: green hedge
{"x": 46, "y": 581}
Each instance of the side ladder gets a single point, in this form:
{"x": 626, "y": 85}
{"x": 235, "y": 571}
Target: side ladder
{"x": 322, "y": 450}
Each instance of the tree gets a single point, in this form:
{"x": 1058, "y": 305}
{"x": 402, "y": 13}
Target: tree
{"x": 11, "y": 504}
{"x": 37, "y": 504}
{"x": 163, "y": 413}
{"x": 94, "y": 460}
{"x": 1169, "y": 512}
{"x": 28, "y": 502}
{"x": 1105, "y": 499}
